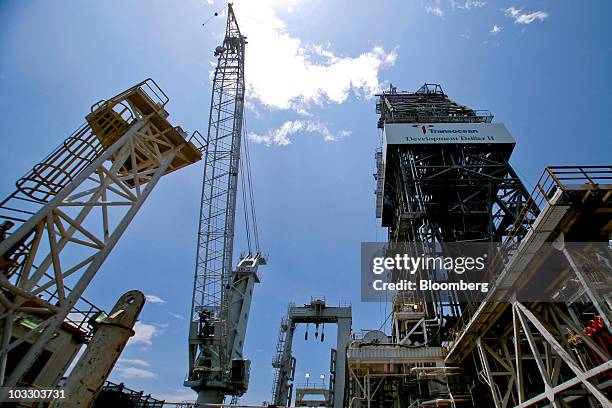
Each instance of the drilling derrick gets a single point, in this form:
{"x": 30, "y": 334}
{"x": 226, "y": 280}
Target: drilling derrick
{"x": 432, "y": 188}
{"x": 221, "y": 296}
{"x": 540, "y": 334}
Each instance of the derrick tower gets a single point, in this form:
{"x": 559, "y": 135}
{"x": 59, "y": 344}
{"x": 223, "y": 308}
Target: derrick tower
{"x": 221, "y": 295}
{"x": 444, "y": 180}
{"x": 443, "y": 176}
{"x": 541, "y": 333}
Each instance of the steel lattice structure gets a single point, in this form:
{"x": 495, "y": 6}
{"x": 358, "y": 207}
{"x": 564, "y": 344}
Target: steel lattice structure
{"x": 69, "y": 211}
{"x": 221, "y": 161}
{"x": 429, "y": 194}
{"x": 433, "y": 190}
{"x": 463, "y": 192}
{"x": 440, "y": 193}
{"x": 221, "y": 295}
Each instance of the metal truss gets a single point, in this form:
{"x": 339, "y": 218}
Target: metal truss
{"x": 452, "y": 193}
{"x": 437, "y": 194}
{"x": 536, "y": 354}
{"x": 557, "y": 354}
{"x": 218, "y": 205}
{"x": 572, "y": 368}
{"x": 429, "y": 104}
{"x": 70, "y": 211}
{"x": 375, "y": 390}
{"x": 284, "y": 362}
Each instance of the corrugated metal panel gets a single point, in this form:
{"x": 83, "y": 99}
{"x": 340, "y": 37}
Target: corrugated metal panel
{"x": 382, "y": 354}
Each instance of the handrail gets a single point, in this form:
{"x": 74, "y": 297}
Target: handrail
{"x": 553, "y": 179}
{"x": 149, "y": 83}
{"x": 198, "y": 141}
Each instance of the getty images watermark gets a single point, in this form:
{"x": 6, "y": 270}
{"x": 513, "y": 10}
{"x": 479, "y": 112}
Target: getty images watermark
{"x": 469, "y": 272}
{"x": 403, "y": 264}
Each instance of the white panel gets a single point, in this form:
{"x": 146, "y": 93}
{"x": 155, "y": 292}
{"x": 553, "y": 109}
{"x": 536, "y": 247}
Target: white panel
{"x": 446, "y": 133}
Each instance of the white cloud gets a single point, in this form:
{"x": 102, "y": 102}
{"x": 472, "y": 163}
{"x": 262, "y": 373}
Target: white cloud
{"x": 133, "y": 368}
{"x": 133, "y": 361}
{"x": 467, "y": 4}
{"x": 178, "y": 316}
{"x": 525, "y": 18}
{"x": 154, "y": 299}
{"x": 435, "y": 10}
{"x": 177, "y": 395}
{"x": 496, "y": 29}
{"x": 285, "y": 72}
{"x": 133, "y": 372}
{"x": 281, "y": 136}
{"x": 144, "y": 334}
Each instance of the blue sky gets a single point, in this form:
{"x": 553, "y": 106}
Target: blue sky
{"x": 313, "y": 66}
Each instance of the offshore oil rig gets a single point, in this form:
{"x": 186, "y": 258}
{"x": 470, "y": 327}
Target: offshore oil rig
{"x": 443, "y": 176}
{"x": 541, "y": 336}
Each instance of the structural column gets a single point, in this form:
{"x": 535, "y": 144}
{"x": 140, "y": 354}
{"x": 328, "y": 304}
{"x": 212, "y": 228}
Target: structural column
{"x": 95, "y": 365}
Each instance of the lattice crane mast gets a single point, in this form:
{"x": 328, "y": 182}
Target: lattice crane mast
{"x": 222, "y": 296}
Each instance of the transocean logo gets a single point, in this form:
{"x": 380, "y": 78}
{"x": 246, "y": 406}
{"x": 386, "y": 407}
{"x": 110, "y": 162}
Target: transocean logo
{"x": 423, "y": 128}
{"x": 429, "y": 128}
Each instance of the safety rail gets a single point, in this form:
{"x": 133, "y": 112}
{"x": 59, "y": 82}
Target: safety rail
{"x": 359, "y": 335}
{"x": 152, "y": 86}
{"x": 313, "y": 384}
{"x": 82, "y": 316}
{"x": 277, "y": 360}
{"x": 160, "y": 99}
{"x": 429, "y": 117}
{"x": 552, "y": 180}
{"x": 198, "y": 141}
{"x": 115, "y": 394}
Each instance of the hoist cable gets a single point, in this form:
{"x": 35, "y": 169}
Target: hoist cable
{"x": 253, "y": 215}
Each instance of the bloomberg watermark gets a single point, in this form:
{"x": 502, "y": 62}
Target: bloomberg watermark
{"x": 474, "y": 272}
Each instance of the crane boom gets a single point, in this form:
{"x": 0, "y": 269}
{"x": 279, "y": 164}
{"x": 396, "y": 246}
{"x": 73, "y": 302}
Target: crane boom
{"x": 221, "y": 296}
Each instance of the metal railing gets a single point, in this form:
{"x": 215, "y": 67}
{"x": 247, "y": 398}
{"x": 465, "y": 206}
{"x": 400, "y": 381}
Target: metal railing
{"x": 552, "y": 180}
{"x": 112, "y": 393}
{"x": 149, "y": 88}
{"x": 318, "y": 385}
{"x": 198, "y": 141}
